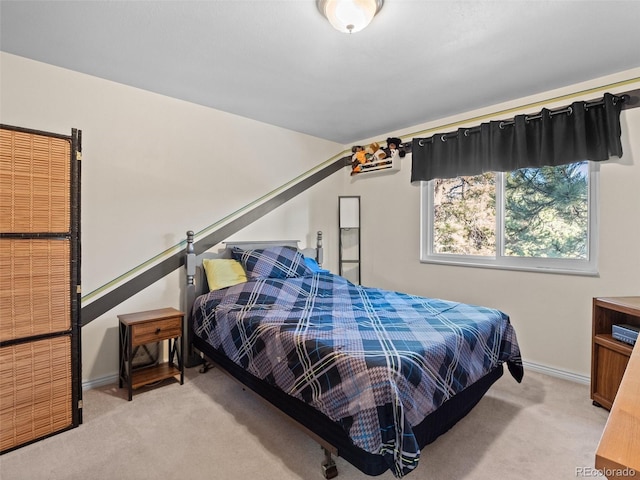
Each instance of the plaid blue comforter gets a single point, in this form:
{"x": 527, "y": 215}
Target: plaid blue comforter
{"x": 375, "y": 361}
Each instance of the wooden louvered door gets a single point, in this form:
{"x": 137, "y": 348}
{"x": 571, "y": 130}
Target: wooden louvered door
{"x": 40, "y": 366}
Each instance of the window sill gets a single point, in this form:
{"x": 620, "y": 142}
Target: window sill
{"x": 586, "y": 271}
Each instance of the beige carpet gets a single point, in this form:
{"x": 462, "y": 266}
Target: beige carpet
{"x": 209, "y": 428}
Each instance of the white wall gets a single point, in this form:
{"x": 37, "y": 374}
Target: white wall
{"x": 551, "y": 312}
{"x": 154, "y": 167}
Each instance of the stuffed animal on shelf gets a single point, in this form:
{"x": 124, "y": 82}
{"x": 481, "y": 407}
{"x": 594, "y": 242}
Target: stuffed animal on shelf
{"x": 376, "y": 152}
{"x": 358, "y": 158}
{"x": 369, "y": 158}
{"x": 394, "y": 145}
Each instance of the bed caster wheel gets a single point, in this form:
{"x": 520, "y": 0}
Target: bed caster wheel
{"x": 329, "y": 467}
{"x": 330, "y": 470}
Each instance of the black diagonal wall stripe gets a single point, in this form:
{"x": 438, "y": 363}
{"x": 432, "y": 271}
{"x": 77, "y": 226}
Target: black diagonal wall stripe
{"x": 144, "y": 279}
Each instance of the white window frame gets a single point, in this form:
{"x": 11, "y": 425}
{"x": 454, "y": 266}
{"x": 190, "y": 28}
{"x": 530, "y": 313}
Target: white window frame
{"x": 587, "y": 267}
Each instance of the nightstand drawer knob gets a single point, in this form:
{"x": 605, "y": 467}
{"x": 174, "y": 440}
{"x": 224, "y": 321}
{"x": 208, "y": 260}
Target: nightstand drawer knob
{"x": 158, "y": 330}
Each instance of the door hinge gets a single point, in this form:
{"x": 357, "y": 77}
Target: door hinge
{"x": 80, "y": 404}
{"x": 78, "y": 155}
{"x": 78, "y": 288}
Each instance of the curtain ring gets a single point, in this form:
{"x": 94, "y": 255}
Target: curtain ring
{"x": 420, "y": 142}
{"x": 501, "y": 125}
{"x": 570, "y": 112}
{"x": 466, "y": 132}
{"x": 443, "y": 137}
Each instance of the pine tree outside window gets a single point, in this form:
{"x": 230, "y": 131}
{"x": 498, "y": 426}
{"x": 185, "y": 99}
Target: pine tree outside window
{"x": 540, "y": 219}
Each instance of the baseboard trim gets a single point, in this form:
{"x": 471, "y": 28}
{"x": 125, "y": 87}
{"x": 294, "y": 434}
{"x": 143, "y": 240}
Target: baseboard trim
{"x": 99, "y": 382}
{"x": 555, "y": 372}
{"x": 534, "y": 367}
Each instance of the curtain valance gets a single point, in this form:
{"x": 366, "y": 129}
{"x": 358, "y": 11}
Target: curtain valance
{"x": 580, "y": 131}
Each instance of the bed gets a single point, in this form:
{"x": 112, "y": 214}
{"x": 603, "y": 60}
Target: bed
{"x": 372, "y": 375}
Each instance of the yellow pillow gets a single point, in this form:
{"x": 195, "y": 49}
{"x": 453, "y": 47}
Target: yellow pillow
{"x": 223, "y": 272}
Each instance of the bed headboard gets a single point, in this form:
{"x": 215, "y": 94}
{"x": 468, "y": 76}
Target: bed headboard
{"x": 196, "y": 283}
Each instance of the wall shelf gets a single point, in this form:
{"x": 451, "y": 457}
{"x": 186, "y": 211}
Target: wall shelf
{"x": 388, "y": 165}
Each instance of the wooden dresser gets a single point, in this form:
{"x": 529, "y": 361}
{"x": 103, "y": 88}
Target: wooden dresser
{"x": 609, "y": 357}
{"x": 618, "y": 454}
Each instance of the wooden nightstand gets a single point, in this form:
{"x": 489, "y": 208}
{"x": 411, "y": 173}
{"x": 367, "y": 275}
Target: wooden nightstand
{"x": 152, "y": 326}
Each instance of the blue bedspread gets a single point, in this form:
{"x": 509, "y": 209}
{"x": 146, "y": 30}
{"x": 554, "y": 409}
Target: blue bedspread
{"x": 375, "y": 361}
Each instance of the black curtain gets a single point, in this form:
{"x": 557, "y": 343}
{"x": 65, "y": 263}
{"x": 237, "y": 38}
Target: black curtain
{"x": 581, "y": 131}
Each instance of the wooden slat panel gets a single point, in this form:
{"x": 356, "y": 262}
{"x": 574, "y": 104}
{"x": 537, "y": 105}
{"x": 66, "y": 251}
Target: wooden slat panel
{"x": 34, "y": 287}
{"x": 35, "y": 178}
{"x": 38, "y": 374}
{"x": 35, "y": 380}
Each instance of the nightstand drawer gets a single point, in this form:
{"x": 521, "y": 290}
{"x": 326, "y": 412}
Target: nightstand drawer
{"x": 154, "y": 331}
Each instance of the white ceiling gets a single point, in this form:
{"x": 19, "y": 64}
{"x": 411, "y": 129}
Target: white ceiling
{"x": 280, "y": 62}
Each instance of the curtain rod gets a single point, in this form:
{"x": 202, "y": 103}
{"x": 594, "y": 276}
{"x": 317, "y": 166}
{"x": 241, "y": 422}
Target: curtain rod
{"x": 624, "y": 98}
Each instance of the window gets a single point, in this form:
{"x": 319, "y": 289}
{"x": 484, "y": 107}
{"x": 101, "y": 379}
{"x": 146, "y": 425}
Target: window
{"x": 541, "y": 219}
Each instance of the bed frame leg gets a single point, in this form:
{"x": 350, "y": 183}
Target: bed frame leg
{"x": 329, "y": 467}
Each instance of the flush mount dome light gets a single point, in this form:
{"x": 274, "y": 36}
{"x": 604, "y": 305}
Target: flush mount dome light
{"x": 349, "y": 16}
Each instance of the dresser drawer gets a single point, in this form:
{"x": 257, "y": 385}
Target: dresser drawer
{"x": 156, "y": 330}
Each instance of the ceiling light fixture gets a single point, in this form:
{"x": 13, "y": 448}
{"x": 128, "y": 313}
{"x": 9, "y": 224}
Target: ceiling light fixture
{"x": 349, "y": 16}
